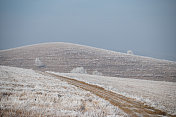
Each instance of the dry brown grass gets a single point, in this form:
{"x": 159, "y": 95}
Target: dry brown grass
{"x": 18, "y": 113}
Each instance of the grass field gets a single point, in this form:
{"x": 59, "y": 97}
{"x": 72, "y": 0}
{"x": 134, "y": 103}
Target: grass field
{"x": 63, "y": 57}
{"x": 158, "y": 94}
{"x": 24, "y": 92}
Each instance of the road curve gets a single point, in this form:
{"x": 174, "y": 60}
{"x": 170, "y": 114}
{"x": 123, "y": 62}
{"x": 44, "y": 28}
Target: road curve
{"x": 130, "y": 106}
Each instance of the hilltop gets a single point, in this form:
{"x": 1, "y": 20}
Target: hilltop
{"x": 63, "y": 57}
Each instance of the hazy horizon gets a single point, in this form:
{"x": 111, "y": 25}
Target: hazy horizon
{"x": 147, "y": 27}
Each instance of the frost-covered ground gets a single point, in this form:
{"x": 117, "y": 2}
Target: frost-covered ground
{"x": 158, "y": 94}
{"x": 64, "y": 57}
{"x": 24, "y": 92}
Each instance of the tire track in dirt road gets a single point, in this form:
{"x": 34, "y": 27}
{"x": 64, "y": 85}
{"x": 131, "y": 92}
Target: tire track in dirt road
{"x": 130, "y": 106}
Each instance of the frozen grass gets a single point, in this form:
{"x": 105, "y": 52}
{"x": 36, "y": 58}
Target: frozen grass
{"x": 24, "y": 92}
{"x": 158, "y": 94}
{"x": 64, "y": 57}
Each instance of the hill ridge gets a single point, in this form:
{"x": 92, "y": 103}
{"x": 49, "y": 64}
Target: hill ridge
{"x": 20, "y": 47}
{"x": 63, "y": 57}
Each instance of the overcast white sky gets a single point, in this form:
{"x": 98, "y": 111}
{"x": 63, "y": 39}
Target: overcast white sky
{"x": 147, "y": 27}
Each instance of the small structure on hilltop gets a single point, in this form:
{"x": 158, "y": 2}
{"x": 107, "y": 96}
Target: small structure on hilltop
{"x": 130, "y": 52}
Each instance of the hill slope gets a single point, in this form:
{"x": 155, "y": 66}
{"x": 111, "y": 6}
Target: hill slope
{"x": 63, "y": 57}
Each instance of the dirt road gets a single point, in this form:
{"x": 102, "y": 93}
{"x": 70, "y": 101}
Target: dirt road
{"x": 130, "y": 106}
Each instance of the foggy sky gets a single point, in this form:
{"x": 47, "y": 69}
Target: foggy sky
{"x": 147, "y": 27}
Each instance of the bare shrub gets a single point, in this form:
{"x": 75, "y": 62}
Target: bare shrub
{"x": 80, "y": 70}
{"x": 38, "y": 63}
{"x": 97, "y": 73}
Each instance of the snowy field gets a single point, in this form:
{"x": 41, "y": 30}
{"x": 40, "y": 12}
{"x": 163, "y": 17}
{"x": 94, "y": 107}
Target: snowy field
{"x": 24, "y": 92}
{"x": 158, "y": 94}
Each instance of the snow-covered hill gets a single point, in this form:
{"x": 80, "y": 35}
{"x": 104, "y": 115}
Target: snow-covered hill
{"x": 63, "y": 57}
{"x": 24, "y": 92}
